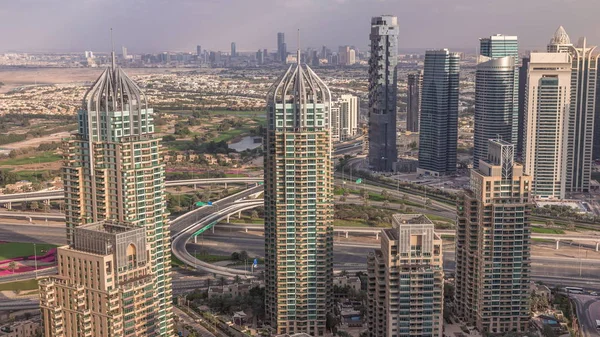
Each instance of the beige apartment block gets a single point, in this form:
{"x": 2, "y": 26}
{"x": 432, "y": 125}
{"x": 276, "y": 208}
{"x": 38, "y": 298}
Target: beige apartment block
{"x": 493, "y": 244}
{"x": 405, "y": 292}
{"x": 104, "y": 286}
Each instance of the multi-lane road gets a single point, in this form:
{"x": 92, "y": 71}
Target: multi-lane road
{"x": 588, "y": 311}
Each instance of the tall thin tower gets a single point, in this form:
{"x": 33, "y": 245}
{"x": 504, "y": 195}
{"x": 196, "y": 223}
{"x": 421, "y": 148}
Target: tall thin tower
{"x": 580, "y": 137}
{"x": 113, "y": 170}
{"x": 413, "y": 104}
{"x": 383, "y": 92}
{"x": 438, "y": 133}
{"x": 298, "y": 203}
{"x": 547, "y": 105}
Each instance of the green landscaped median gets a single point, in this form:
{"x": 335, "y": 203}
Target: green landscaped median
{"x": 541, "y": 230}
{"x": 19, "y": 285}
{"x": 9, "y": 250}
{"x": 212, "y": 258}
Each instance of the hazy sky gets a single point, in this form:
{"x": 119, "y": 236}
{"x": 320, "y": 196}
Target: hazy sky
{"x": 179, "y": 25}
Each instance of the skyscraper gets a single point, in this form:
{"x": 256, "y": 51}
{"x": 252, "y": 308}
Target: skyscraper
{"x": 343, "y": 54}
{"x": 547, "y": 106}
{"x": 233, "y": 51}
{"x": 260, "y": 57}
{"x": 522, "y": 112}
{"x": 438, "y": 135}
{"x": 113, "y": 171}
{"x": 281, "y": 47}
{"x": 493, "y": 244}
{"x": 499, "y": 45}
{"x": 496, "y": 93}
{"x": 124, "y": 53}
{"x": 383, "y": 92}
{"x": 198, "y": 50}
{"x": 405, "y": 292}
{"x": 298, "y": 203}
{"x": 580, "y": 138}
{"x": 351, "y": 57}
{"x": 560, "y": 42}
{"x": 413, "y": 106}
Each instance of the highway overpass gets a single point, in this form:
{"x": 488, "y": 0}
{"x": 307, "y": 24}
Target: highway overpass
{"x": 7, "y": 199}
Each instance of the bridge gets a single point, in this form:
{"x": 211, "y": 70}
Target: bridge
{"x": 443, "y": 232}
{"x": 46, "y": 196}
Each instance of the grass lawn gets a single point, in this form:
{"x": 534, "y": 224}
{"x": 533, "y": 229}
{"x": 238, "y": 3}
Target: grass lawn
{"x": 44, "y": 157}
{"x": 229, "y": 134}
{"x": 254, "y": 114}
{"x": 19, "y": 285}
{"x": 10, "y": 250}
{"x": 541, "y": 230}
{"x": 31, "y": 175}
{"x": 175, "y": 262}
{"x": 542, "y": 240}
{"x": 245, "y": 220}
{"x": 350, "y": 223}
{"x": 212, "y": 258}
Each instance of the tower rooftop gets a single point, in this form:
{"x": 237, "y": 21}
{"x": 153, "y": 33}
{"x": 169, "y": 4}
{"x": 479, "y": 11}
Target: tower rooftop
{"x": 560, "y": 37}
{"x": 114, "y": 91}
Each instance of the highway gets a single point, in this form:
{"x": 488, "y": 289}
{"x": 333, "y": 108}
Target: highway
{"x": 588, "y": 311}
{"x": 59, "y": 194}
{"x": 352, "y": 255}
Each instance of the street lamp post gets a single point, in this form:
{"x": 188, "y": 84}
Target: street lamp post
{"x": 35, "y": 259}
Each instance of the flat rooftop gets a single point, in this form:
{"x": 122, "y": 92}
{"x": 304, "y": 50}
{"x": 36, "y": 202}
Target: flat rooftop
{"x": 411, "y": 219}
{"x": 108, "y": 227}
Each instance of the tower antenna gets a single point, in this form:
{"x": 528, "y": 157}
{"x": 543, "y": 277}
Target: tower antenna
{"x": 298, "y": 47}
{"x": 112, "y": 53}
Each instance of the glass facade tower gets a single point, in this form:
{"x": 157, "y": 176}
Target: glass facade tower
{"x": 383, "y": 93}
{"x": 438, "y": 135}
{"x": 496, "y": 93}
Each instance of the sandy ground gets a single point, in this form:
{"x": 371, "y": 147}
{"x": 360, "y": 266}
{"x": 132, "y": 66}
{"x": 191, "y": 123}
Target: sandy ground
{"x": 13, "y": 78}
{"x": 35, "y": 142}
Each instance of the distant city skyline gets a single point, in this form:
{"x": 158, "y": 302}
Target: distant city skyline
{"x": 67, "y": 25}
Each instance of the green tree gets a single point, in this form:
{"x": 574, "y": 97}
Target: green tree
{"x": 34, "y": 206}
{"x": 235, "y": 256}
{"x": 12, "y": 265}
{"x": 253, "y": 215}
{"x": 243, "y": 255}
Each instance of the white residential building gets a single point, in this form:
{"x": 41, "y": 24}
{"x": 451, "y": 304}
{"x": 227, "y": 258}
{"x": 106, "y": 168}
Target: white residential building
{"x": 547, "y": 106}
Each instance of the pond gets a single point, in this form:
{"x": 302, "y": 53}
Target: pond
{"x": 246, "y": 143}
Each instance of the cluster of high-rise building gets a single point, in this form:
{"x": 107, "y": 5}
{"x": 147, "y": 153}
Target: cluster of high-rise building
{"x": 114, "y": 275}
{"x": 544, "y": 105}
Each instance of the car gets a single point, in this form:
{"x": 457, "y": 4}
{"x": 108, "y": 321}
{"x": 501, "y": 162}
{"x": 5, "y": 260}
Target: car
{"x": 593, "y": 293}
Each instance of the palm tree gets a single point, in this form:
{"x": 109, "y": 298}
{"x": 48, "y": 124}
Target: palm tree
{"x": 237, "y": 279}
{"x": 222, "y": 281}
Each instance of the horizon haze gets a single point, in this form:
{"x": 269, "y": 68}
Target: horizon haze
{"x": 179, "y": 25}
